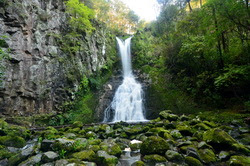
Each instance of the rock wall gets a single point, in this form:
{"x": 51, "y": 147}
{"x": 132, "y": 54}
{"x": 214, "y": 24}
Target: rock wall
{"x": 39, "y": 77}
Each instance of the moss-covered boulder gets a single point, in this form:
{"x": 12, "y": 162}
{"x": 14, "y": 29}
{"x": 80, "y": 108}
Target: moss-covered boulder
{"x": 88, "y": 155}
{"x": 154, "y": 145}
{"x": 174, "y": 156}
{"x": 154, "y": 158}
{"x": 63, "y": 144}
{"x": 168, "y": 116}
{"x": 5, "y": 154}
{"x": 219, "y": 139}
{"x": 239, "y": 161}
{"x": 115, "y": 150}
{"x": 201, "y": 126}
{"x": 191, "y": 161}
{"x": 138, "y": 163}
{"x": 185, "y": 130}
{"x": 176, "y": 134}
{"x": 13, "y": 141}
{"x": 207, "y": 156}
{"x": 135, "y": 146}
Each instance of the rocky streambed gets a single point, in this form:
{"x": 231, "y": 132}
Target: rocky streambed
{"x": 167, "y": 140}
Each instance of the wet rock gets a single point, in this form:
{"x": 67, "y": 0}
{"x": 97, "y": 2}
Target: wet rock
{"x": 135, "y": 145}
{"x": 239, "y": 161}
{"x": 154, "y": 145}
{"x": 32, "y": 160}
{"x": 114, "y": 149}
{"x": 61, "y": 162}
{"x": 207, "y": 156}
{"x": 105, "y": 159}
{"x": 193, "y": 161}
{"x": 174, "y": 156}
{"x": 63, "y": 143}
{"x": 49, "y": 156}
{"x": 48, "y": 164}
{"x": 4, "y": 162}
{"x": 224, "y": 155}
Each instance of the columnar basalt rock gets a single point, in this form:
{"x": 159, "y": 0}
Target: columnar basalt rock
{"x": 39, "y": 77}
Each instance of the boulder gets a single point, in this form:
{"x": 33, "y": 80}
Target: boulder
{"x": 103, "y": 158}
{"x": 154, "y": 158}
{"x": 193, "y": 161}
{"x": 13, "y": 141}
{"x": 207, "y": 156}
{"x": 154, "y": 145}
{"x": 88, "y": 155}
{"x": 32, "y": 160}
{"x": 174, "y": 156}
{"x": 49, "y": 156}
{"x": 239, "y": 161}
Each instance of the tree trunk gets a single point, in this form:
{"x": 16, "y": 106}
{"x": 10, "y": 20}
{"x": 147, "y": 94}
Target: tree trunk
{"x": 190, "y": 7}
{"x": 224, "y": 43}
{"x": 220, "y": 63}
{"x": 200, "y": 3}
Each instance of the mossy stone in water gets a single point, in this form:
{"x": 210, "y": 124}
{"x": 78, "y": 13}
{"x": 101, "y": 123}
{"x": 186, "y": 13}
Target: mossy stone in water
{"x": 85, "y": 155}
{"x": 239, "y": 161}
{"x": 207, "y": 156}
{"x": 154, "y": 145}
{"x": 176, "y": 134}
{"x": 13, "y": 141}
{"x": 104, "y": 159}
{"x": 5, "y": 154}
{"x": 154, "y": 158}
{"x": 191, "y": 161}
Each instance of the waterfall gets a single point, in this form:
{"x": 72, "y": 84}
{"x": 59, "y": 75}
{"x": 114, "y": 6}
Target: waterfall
{"x": 127, "y": 103}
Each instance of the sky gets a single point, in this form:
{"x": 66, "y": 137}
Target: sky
{"x": 146, "y": 9}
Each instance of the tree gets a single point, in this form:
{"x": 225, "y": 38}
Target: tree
{"x": 80, "y": 16}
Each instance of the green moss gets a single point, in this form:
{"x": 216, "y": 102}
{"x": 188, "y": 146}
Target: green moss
{"x": 13, "y": 141}
{"x": 115, "y": 150}
{"x": 193, "y": 161}
{"x": 218, "y": 136}
{"x": 154, "y": 145}
{"x": 95, "y": 141}
{"x": 154, "y": 158}
{"x": 239, "y": 161}
{"x": 174, "y": 156}
{"x": 88, "y": 155}
{"x": 77, "y": 124}
{"x": 135, "y": 146}
{"x": 201, "y": 126}
{"x": 138, "y": 163}
{"x": 5, "y": 154}
{"x": 207, "y": 156}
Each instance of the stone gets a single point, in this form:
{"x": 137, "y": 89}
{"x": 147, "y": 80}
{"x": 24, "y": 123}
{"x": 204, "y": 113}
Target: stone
{"x": 154, "y": 145}
{"x": 4, "y": 162}
{"x": 61, "y": 162}
{"x": 13, "y": 141}
{"x": 207, "y": 156}
{"x": 154, "y": 158}
{"x": 138, "y": 163}
{"x": 224, "y": 155}
{"x": 63, "y": 144}
{"x": 77, "y": 124}
{"x": 48, "y": 164}
{"x": 239, "y": 161}
{"x": 115, "y": 150}
{"x": 46, "y": 145}
{"x": 193, "y": 161}
{"x": 176, "y": 134}
{"x": 32, "y": 160}
{"x": 174, "y": 156}
{"x": 218, "y": 138}
{"x": 167, "y": 115}
{"x": 105, "y": 159}
{"x": 88, "y": 155}
{"x": 49, "y": 156}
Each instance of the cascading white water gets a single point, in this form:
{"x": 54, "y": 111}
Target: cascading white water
{"x": 127, "y": 102}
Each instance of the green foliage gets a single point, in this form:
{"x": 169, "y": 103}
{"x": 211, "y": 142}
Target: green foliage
{"x": 80, "y": 16}
{"x": 3, "y": 55}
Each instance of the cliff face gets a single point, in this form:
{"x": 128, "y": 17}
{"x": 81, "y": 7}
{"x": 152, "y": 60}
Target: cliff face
{"x": 39, "y": 77}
